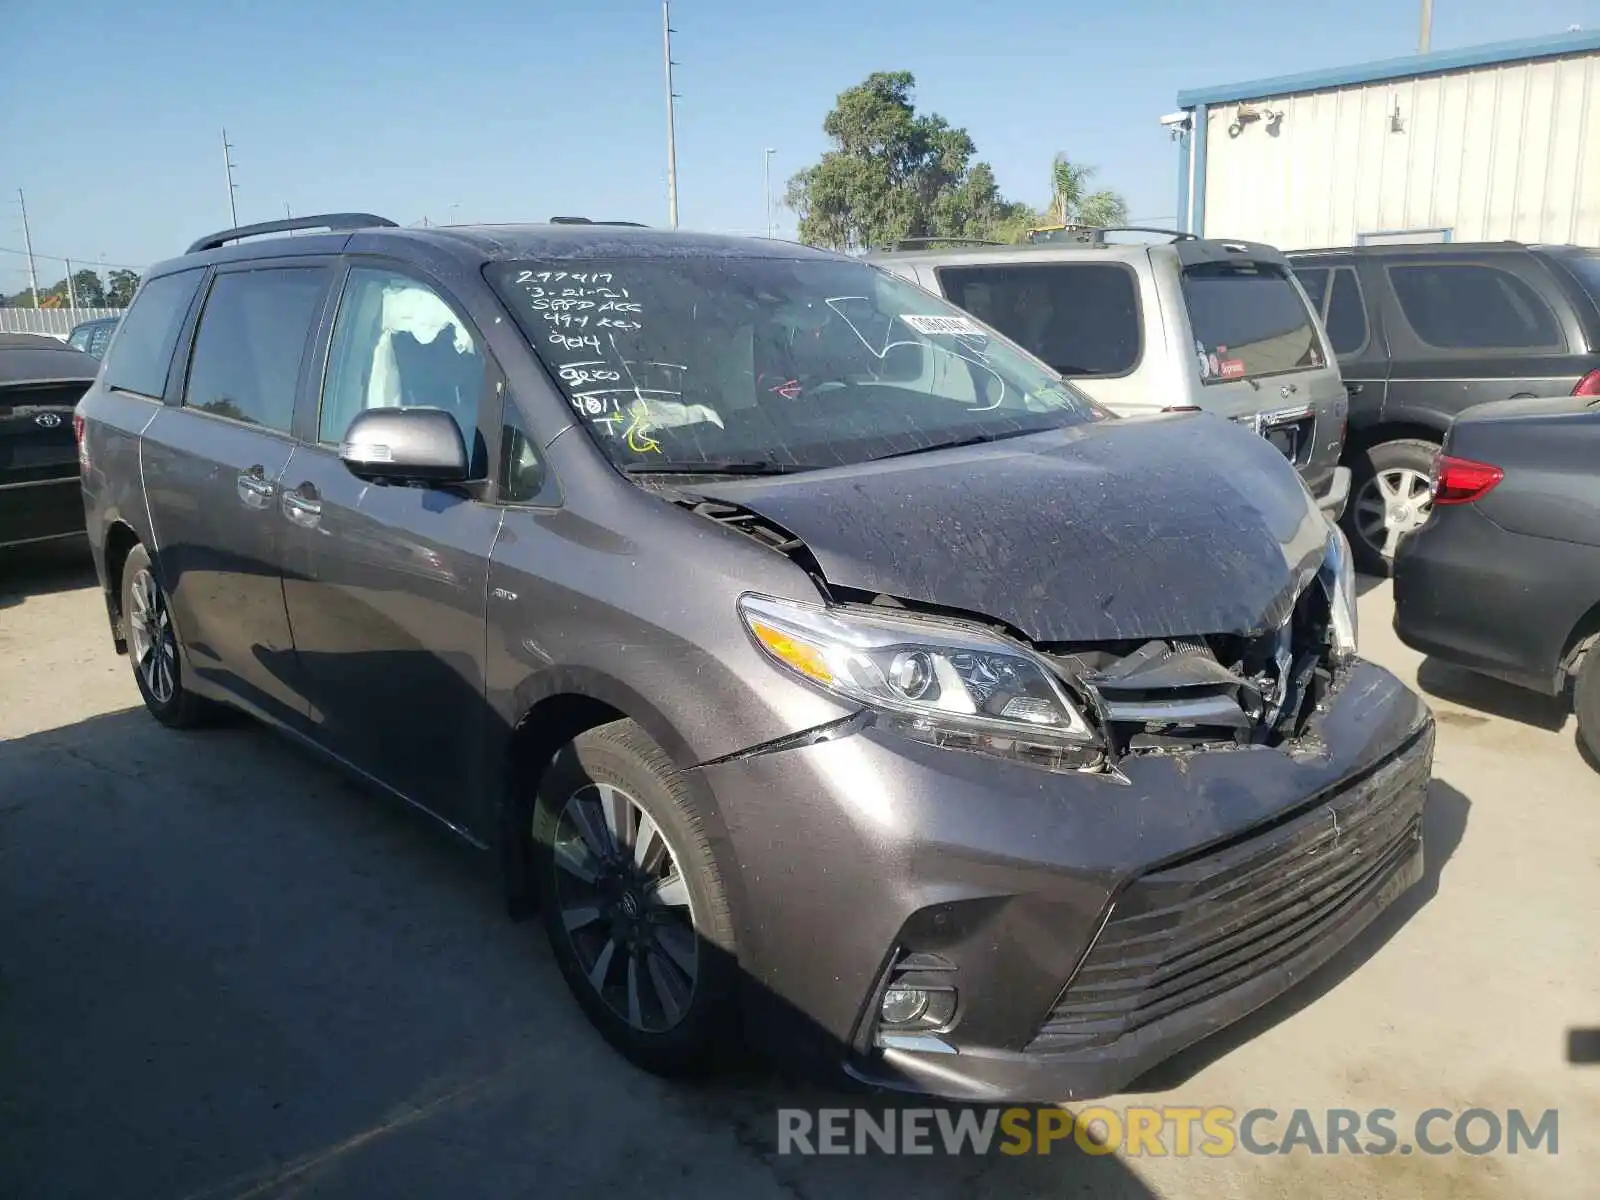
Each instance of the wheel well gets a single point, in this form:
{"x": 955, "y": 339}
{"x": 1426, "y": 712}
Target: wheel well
{"x": 1360, "y": 440}
{"x": 1579, "y": 641}
{"x": 539, "y": 735}
{"x": 120, "y": 541}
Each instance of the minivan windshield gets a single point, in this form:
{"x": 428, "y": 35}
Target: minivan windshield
{"x": 749, "y": 364}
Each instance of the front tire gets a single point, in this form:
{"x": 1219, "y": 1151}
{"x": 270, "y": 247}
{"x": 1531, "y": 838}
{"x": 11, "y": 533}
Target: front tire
{"x": 633, "y": 900}
{"x": 153, "y": 645}
{"x": 1389, "y": 498}
{"x": 1586, "y": 702}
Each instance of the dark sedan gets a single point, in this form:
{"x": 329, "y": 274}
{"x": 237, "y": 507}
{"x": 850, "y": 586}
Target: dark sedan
{"x": 41, "y": 380}
{"x": 1504, "y": 578}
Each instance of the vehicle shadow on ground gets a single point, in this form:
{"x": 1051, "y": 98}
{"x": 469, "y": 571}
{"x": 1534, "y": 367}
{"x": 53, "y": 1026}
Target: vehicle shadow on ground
{"x": 237, "y": 974}
{"x": 1444, "y": 822}
{"x": 1367, "y": 583}
{"x": 44, "y": 569}
{"x": 1457, "y": 685}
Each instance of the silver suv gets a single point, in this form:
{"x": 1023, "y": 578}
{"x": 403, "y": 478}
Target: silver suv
{"x": 1143, "y": 327}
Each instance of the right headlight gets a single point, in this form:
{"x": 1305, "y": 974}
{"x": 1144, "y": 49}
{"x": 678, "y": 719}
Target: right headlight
{"x": 948, "y": 683}
{"x": 1338, "y": 575}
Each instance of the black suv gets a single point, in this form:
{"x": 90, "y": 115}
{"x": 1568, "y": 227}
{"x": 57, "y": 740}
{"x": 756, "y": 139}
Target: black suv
{"x": 1425, "y": 331}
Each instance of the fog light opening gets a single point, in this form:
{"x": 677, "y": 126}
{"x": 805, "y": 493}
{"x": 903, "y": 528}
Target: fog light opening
{"x": 903, "y": 1005}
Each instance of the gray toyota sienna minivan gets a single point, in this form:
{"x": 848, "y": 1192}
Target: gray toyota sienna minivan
{"x": 810, "y": 657}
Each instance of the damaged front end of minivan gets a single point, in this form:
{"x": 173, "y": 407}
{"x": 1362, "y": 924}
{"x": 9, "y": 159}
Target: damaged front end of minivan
{"x": 965, "y": 682}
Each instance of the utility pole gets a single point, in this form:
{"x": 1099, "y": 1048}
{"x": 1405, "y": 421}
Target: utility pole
{"x": 27, "y": 241}
{"x": 227, "y": 165}
{"x": 672, "y": 132}
{"x": 766, "y": 184}
{"x": 1425, "y": 38}
{"x": 72, "y": 292}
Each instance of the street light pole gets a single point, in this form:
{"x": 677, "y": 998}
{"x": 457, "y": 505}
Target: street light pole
{"x": 27, "y": 241}
{"x": 227, "y": 166}
{"x": 766, "y": 184}
{"x": 1425, "y": 38}
{"x": 672, "y": 133}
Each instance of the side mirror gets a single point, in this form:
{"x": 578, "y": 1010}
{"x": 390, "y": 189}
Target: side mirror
{"x": 405, "y": 445}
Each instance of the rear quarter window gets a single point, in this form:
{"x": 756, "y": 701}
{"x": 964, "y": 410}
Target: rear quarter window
{"x": 1080, "y": 318}
{"x": 1473, "y": 306}
{"x": 1248, "y": 320}
{"x": 142, "y": 351}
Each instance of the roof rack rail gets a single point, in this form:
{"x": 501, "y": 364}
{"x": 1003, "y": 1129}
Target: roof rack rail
{"x": 334, "y": 222}
{"x": 912, "y": 243}
{"x": 590, "y": 221}
{"x": 1095, "y": 234}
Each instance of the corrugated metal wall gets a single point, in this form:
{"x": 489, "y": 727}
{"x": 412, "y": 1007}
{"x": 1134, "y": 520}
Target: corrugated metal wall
{"x": 1507, "y": 151}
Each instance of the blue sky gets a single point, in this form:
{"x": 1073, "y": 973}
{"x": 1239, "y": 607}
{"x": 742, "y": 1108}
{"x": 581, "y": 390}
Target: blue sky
{"x": 110, "y": 112}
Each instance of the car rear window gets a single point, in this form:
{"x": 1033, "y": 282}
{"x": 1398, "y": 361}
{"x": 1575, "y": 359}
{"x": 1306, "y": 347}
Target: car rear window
{"x": 1472, "y": 306}
{"x": 1081, "y": 318}
{"x": 1248, "y": 320}
{"x": 143, "y": 351}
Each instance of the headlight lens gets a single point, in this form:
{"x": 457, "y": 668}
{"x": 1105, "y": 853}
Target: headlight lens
{"x": 947, "y": 677}
{"x": 1338, "y": 575}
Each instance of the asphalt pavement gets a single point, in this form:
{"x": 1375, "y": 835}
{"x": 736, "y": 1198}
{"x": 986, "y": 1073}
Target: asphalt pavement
{"x": 227, "y": 972}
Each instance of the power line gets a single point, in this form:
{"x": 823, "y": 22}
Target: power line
{"x": 89, "y": 261}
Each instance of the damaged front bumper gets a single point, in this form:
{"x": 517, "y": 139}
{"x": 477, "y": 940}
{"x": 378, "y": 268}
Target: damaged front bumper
{"x": 1087, "y": 926}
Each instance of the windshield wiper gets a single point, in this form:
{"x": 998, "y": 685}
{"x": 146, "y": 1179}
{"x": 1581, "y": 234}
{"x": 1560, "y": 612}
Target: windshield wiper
{"x": 716, "y": 466}
{"x": 976, "y": 440}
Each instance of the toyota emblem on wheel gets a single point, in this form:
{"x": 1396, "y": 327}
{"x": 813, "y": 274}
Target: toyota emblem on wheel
{"x": 48, "y": 420}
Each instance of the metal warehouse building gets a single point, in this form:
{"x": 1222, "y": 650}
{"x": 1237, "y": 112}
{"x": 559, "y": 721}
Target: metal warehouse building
{"x": 1487, "y": 143}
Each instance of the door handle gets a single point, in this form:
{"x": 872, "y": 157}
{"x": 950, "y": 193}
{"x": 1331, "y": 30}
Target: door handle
{"x": 255, "y": 489}
{"x": 303, "y": 510}
{"x": 1353, "y": 389}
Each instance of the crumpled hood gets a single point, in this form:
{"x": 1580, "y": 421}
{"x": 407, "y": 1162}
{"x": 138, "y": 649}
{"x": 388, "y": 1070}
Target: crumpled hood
{"x": 1144, "y": 527}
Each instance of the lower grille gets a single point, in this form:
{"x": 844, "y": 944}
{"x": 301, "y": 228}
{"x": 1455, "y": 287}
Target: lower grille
{"x": 1193, "y": 930}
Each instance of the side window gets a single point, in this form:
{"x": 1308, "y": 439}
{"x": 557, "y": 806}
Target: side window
{"x": 252, "y": 336}
{"x": 397, "y": 344}
{"x": 148, "y": 334}
{"x": 1347, "y": 314}
{"x": 523, "y": 477}
{"x": 78, "y": 339}
{"x": 1315, "y": 282}
{"x": 1469, "y": 306}
{"x": 1080, "y": 318}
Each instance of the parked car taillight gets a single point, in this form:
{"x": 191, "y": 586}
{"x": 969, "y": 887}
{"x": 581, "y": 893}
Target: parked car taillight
{"x": 1589, "y": 385}
{"x": 83, "y": 449}
{"x": 1461, "y": 480}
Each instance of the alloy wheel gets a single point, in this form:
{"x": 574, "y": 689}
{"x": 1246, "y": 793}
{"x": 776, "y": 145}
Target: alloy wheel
{"x": 1394, "y": 502}
{"x": 151, "y": 640}
{"x": 625, "y": 907}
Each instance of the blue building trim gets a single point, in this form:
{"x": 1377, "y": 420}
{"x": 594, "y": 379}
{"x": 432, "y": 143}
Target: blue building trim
{"x": 1395, "y": 68}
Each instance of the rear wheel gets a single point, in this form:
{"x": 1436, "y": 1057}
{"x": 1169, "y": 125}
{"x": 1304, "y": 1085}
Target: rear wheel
{"x": 1389, "y": 498}
{"x": 153, "y": 645}
{"x": 633, "y": 901}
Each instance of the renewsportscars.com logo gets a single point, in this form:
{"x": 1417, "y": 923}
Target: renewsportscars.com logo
{"x": 1164, "y": 1131}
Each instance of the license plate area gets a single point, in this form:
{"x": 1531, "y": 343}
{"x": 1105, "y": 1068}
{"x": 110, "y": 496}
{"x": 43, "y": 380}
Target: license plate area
{"x": 1291, "y": 430}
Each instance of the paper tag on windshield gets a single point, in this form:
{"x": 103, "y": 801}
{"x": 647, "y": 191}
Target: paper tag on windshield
{"x": 933, "y": 326}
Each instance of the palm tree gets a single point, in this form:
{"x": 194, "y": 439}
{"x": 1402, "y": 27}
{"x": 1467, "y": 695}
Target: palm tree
{"x": 1070, "y": 204}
